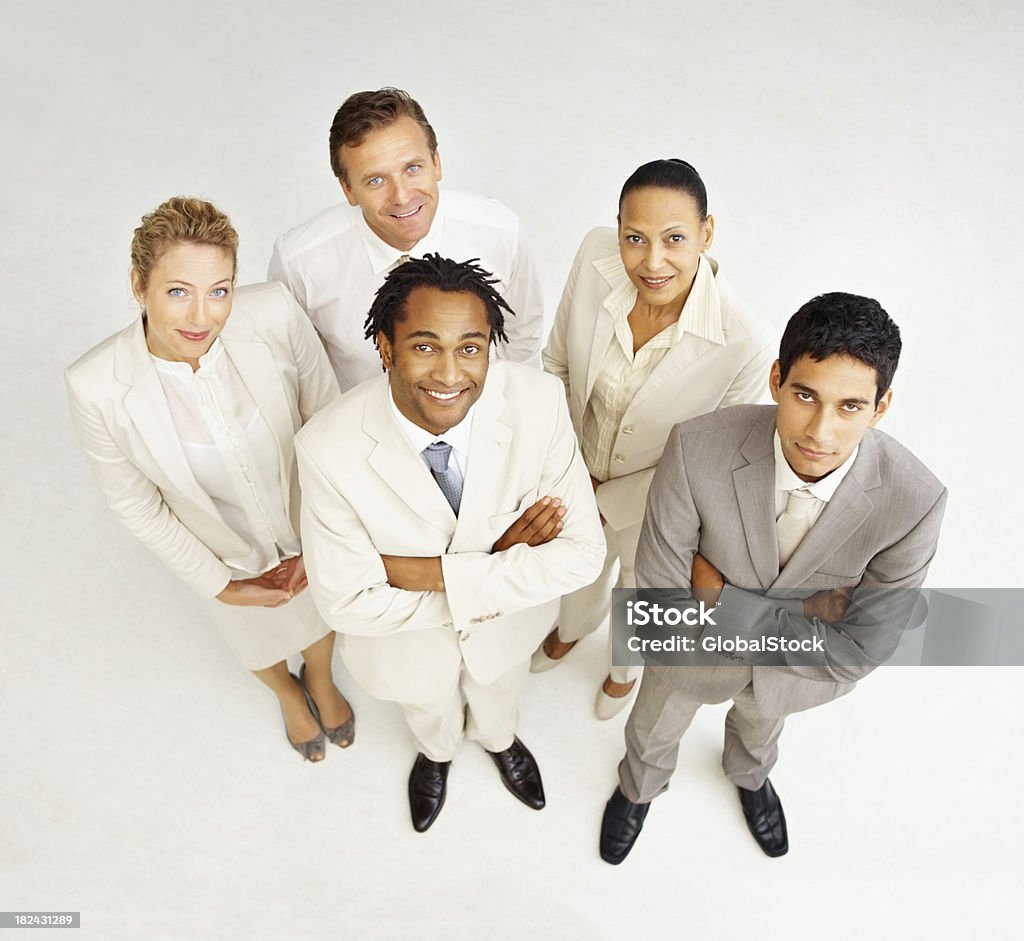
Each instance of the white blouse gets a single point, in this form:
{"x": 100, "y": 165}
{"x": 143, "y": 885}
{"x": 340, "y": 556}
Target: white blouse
{"x": 232, "y": 454}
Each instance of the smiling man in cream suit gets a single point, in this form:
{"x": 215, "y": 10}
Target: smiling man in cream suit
{"x": 442, "y": 504}
{"x": 801, "y": 523}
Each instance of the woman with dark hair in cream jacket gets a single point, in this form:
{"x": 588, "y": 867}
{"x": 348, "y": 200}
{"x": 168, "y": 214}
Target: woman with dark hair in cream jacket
{"x": 647, "y": 334}
{"x": 187, "y": 417}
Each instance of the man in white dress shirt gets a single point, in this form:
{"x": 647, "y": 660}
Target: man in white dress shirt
{"x": 384, "y": 154}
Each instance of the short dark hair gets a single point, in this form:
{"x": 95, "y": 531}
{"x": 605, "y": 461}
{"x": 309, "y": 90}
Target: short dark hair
{"x": 840, "y": 324}
{"x": 442, "y": 274}
{"x": 670, "y": 174}
{"x": 367, "y": 111}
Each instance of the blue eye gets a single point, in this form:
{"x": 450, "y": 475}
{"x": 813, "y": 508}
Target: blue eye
{"x": 177, "y": 292}
{"x": 414, "y": 168}
{"x": 219, "y": 292}
{"x": 376, "y": 181}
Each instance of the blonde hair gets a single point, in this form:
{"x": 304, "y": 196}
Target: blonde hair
{"x": 180, "y": 219}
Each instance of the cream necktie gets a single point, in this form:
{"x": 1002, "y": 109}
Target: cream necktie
{"x": 794, "y": 523}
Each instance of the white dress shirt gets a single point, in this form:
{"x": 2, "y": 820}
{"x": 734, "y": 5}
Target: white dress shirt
{"x": 822, "y": 490}
{"x": 232, "y": 454}
{"x": 334, "y": 265}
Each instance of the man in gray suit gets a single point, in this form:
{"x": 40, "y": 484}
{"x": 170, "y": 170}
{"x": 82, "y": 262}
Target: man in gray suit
{"x": 796, "y": 525}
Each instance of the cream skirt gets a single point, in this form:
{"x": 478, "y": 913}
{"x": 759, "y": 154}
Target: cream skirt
{"x": 261, "y": 637}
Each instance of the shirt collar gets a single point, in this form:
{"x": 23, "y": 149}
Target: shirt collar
{"x": 457, "y": 436}
{"x": 383, "y": 256}
{"x": 824, "y": 489}
{"x": 209, "y": 358}
{"x": 701, "y": 314}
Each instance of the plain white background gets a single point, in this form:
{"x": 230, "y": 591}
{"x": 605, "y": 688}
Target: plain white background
{"x": 870, "y": 146}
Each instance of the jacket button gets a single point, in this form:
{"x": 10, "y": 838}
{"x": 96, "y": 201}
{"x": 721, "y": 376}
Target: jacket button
{"x": 628, "y": 430}
{"x": 619, "y": 459}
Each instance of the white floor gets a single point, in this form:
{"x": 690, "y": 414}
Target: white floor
{"x": 145, "y": 780}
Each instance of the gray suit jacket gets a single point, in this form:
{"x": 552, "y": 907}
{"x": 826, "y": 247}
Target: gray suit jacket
{"x": 714, "y": 492}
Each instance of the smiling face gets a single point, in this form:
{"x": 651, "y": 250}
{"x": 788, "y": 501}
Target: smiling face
{"x": 187, "y": 300}
{"x": 825, "y": 409}
{"x": 392, "y": 177}
{"x": 661, "y": 238}
{"x": 437, "y": 363}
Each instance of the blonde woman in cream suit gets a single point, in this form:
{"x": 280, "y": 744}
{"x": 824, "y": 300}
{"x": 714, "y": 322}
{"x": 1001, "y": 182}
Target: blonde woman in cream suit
{"x": 188, "y": 417}
{"x": 647, "y": 334}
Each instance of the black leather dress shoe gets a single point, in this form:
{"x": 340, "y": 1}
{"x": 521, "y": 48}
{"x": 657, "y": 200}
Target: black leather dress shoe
{"x": 428, "y": 785}
{"x": 520, "y": 774}
{"x": 765, "y": 819}
{"x": 623, "y": 820}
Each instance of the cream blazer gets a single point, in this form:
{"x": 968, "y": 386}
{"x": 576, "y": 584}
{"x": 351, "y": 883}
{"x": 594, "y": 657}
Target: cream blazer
{"x": 121, "y": 415}
{"x": 366, "y": 492}
{"x": 723, "y": 359}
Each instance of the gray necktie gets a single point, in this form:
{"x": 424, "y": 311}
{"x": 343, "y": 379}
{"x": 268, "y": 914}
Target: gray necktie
{"x": 437, "y": 455}
{"x": 794, "y": 523}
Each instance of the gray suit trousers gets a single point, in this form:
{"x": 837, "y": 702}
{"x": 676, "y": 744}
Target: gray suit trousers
{"x": 663, "y": 711}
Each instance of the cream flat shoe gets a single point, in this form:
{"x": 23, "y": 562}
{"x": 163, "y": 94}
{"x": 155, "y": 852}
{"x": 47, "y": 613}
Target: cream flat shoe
{"x": 540, "y": 662}
{"x": 607, "y": 707}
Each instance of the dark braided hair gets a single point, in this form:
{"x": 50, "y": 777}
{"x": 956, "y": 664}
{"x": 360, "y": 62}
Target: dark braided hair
{"x": 443, "y": 274}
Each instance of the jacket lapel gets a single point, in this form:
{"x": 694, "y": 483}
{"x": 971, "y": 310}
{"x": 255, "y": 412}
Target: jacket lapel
{"x": 255, "y": 363}
{"x": 399, "y": 466}
{"x": 146, "y": 405}
{"x": 755, "y": 495}
{"x": 620, "y": 293}
{"x": 489, "y": 449}
{"x": 679, "y": 357}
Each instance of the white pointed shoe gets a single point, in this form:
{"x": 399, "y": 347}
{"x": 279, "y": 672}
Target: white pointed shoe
{"x": 540, "y": 662}
{"x": 607, "y": 707}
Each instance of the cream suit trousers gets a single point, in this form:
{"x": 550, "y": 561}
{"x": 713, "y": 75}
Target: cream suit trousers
{"x": 487, "y": 714}
{"x": 584, "y": 611}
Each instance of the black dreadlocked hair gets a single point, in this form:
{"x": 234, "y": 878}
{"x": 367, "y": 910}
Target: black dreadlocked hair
{"x": 433, "y": 271}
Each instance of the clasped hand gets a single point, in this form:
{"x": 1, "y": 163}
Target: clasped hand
{"x": 271, "y": 589}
